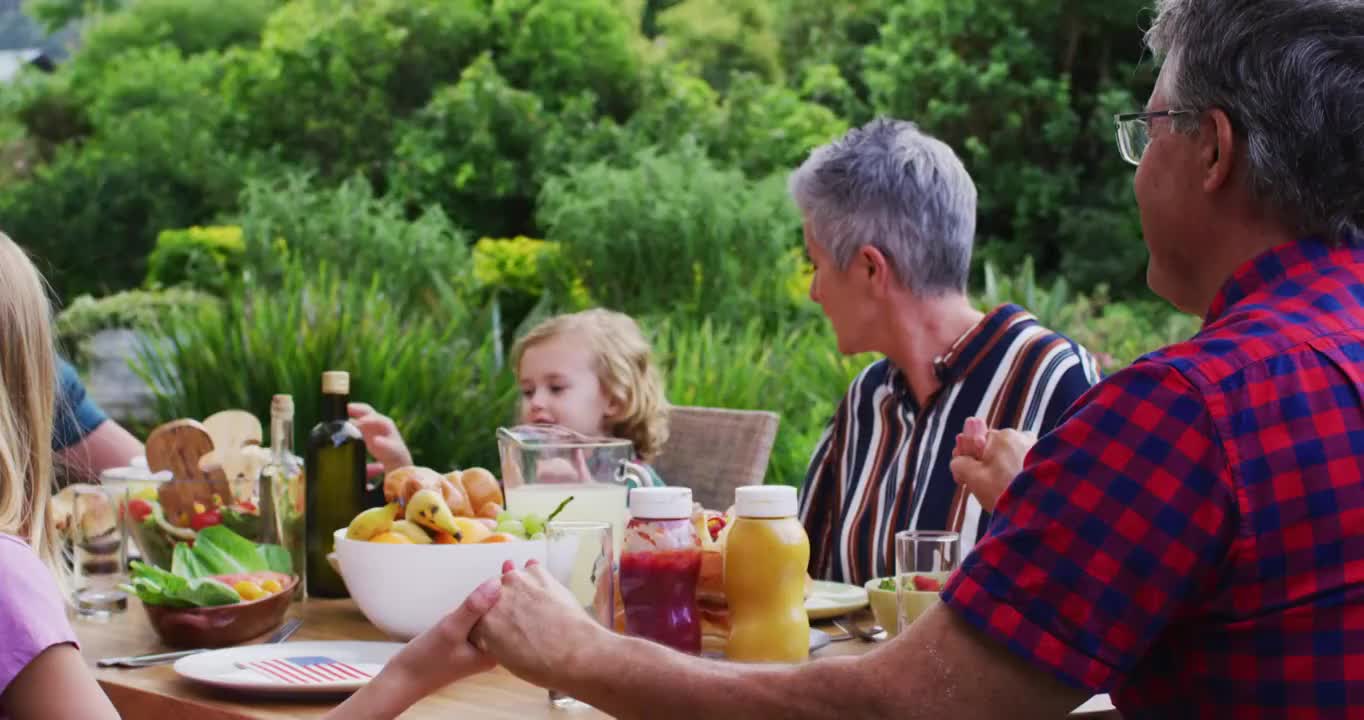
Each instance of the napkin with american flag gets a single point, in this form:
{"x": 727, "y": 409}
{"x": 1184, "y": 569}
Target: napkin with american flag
{"x": 308, "y": 670}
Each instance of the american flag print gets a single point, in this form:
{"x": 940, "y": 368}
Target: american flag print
{"x": 310, "y": 670}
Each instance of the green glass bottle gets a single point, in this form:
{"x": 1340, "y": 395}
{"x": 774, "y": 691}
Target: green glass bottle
{"x": 335, "y": 471}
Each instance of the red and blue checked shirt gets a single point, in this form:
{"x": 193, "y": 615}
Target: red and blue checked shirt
{"x": 1191, "y": 537}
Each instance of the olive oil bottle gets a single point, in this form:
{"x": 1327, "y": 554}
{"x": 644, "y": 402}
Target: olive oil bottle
{"x": 335, "y": 472}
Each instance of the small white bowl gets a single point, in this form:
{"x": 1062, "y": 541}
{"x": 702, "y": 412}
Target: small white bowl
{"x": 405, "y": 589}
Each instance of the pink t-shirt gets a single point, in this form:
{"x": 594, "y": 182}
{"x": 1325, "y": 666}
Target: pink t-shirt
{"x": 32, "y": 612}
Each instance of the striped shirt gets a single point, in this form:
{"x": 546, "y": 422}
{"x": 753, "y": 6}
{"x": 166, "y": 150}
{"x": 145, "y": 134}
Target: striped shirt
{"x": 882, "y": 464}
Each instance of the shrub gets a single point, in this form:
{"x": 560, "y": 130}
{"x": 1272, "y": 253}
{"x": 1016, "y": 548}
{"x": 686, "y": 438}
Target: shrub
{"x": 332, "y": 75}
{"x": 472, "y": 150}
{"x": 419, "y": 264}
{"x": 436, "y": 374}
{"x": 795, "y": 371}
{"x": 190, "y": 27}
{"x": 144, "y": 310}
{"x": 203, "y": 258}
{"x": 675, "y": 233}
{"x": 557, "y": 49}
{"x": 716, "y": 39}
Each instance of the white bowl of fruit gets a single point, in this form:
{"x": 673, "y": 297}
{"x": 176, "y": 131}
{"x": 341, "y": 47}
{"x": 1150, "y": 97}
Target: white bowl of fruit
{"x": 409, "y": 563}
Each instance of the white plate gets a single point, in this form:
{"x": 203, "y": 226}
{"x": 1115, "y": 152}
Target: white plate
{"x": 1094, "y": 706}
{"x": 229, "y": 668}
{"x": 831, "y": 599}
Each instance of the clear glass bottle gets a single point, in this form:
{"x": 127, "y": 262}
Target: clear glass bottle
{"x": 659, "y": 568}
{"x": 282, "y": 492}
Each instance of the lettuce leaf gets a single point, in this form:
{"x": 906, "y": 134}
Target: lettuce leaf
{"x": 155, "y": 586}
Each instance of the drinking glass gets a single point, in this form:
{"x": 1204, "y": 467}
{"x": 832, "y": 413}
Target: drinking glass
{"x": 99, "y": 549}
{"x": 579, "y": 555}
{"x": 923, "y": 561}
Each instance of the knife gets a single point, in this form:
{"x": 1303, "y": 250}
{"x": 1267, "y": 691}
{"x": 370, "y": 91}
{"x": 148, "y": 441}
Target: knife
{"x": 138, "y": 661}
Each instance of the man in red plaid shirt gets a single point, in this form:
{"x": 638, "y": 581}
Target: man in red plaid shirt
{"x": 1191, "y": 538}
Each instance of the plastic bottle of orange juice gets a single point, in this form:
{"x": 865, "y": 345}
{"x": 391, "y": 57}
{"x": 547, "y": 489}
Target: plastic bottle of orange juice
{"x": 766, "y": 555}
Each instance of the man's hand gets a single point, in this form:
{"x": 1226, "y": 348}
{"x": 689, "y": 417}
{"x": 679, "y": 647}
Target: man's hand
{"x": 382, "y": 439}
{"x": 986, "y": 461}
{"x": 537, "y": 627}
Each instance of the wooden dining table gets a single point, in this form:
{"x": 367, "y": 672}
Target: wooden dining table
{"x": 158, "y": 692}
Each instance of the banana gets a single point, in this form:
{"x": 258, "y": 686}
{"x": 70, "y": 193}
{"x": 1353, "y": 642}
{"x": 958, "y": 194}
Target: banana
{"x": 372, "y": 522}
{"x": 428, "y": 509}
{"x": 411, "y": 531}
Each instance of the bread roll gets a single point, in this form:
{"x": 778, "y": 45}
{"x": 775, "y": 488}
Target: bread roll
{"x": 456, "y": 496}
{"x": 482, "y": 487}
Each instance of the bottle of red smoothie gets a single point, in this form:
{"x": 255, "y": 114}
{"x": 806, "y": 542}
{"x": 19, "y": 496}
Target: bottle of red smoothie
{"x": 659, "y": 566}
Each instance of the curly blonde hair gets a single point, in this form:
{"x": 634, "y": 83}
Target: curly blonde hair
{"x": 625, "y": 368}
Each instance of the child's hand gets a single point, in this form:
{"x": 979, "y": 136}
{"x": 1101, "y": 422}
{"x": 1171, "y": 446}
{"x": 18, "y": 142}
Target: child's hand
{"x": 441, "y": 655}
{"x": 382, "y": 439}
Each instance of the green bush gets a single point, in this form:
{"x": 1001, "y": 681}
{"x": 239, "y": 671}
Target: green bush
{"x": 91, "y": 215}
{"x": 1117, "y": 333}
{"x": 769, "y": 129}
{"x": 436, "y": 374}
{"x": 145, "y": 310}
{"x": 472, "y": 150}
{"x": 191, "y": 27}
{"x": 795, "y": 371}
{"x": 203, "y": 258}
{"x": 1016, "y": 88}
{"x": 718, "y": 38}
{"x": 662, "y": 236}
{"x": 420, "y": 264}
{"x": 557, "y": 49}
{"x": 332, "y": 75}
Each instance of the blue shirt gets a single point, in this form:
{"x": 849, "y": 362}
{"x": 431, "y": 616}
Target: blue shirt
{"x": 76, "y": 414}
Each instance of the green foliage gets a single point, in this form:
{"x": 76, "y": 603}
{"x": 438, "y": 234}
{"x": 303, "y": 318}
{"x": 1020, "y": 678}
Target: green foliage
{"x": 1012, "y": 87}
{"x": 824, "y": 44}
{"x": 191, "y": 27}
{"x": 557, "y": 49}
{"x": 203, "y": 258}
{"x": 54, "y": 15}
{"x": 661, "y": 235}
{"x": 1117, "y": 333}
{"x": 144, "y": 310}
{"x": 420, "y": 263}
{"x": 794, "y": 370}
{"x": 436, "y": 374}
{"x": 718, "y": 38}
{"x": 331, "y": 76}
{"x": 91, "y": 215}
{"x": 472, "y": 150}
{"x": 769, "y": 129}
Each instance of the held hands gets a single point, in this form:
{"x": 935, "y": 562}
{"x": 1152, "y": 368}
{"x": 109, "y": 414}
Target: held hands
{"x": 382, "y": 439}
{"x": 537, "y": 627}
{"x": 986, "y": 461}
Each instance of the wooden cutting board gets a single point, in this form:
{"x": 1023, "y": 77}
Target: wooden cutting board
{"x": 177, "y": 446}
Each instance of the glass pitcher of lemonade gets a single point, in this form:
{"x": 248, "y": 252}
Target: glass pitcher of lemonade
{"x": 543, "y": 465}
{"x": 766, "y": 555}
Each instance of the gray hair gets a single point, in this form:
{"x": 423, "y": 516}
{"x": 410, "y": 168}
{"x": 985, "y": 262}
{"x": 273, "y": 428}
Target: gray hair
{"x": 890, "y": 186}
{"x": 1290, "y": 75}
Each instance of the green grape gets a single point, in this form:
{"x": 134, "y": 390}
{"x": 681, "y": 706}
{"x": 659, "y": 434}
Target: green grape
{"x": 534, "y": 523}
{"x": 512, "y": 526}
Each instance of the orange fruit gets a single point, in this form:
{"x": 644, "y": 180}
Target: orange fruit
{"x": 391, "y": 538}
{"x": 440, "y": 537}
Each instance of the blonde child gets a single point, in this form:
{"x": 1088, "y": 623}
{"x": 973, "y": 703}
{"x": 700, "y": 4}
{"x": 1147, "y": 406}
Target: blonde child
{"x": 591, "y": 372}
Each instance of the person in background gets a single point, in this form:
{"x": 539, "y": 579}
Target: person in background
{"x": 591, "y": 372}
{"x": 86, "y": 440}
{"x": 890, "y": 217}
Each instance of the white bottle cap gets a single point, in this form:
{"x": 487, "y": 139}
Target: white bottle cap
{"x": 765, "y": 501}
{"x": 664, "y": 503}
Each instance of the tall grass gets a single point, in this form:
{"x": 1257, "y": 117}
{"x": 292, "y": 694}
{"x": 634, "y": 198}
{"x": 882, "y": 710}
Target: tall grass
{"x": 795, "y": 371}
{"x": 436, "y": 374}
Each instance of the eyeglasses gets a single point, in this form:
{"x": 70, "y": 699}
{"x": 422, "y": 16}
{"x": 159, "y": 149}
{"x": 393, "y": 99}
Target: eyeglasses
{"x": 1134, "y": 131}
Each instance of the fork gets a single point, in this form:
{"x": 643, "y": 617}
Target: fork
{"x": 284, "y": 632}
{"x": 850, "y": 626}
